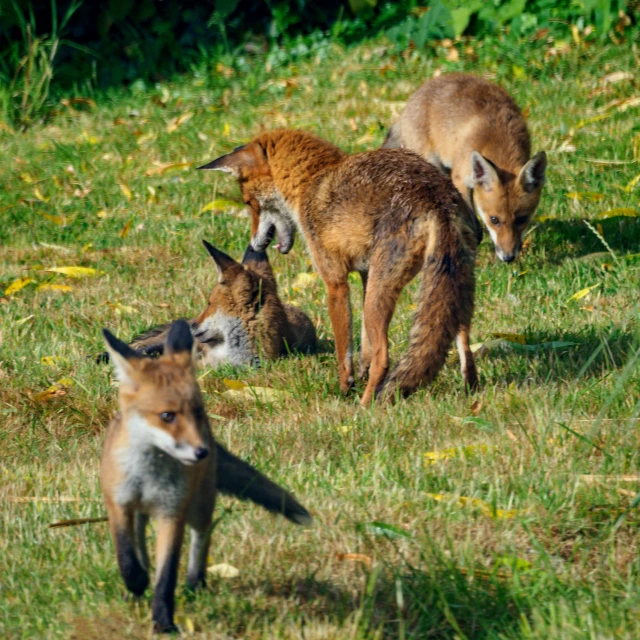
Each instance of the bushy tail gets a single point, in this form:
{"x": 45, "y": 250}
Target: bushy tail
{"x": 238, "y": 478}
{"x": 445, "y": 303}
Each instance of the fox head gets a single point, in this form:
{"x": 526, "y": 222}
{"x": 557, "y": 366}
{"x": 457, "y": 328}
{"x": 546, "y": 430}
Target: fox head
{"x": 506, "y": 202}
{"x": 237, "y": 295}
{"x": 160, "y": 400}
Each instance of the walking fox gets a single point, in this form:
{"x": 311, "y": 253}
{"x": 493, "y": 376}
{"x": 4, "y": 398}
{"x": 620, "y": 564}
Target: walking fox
{"x": 473, "y": 129}
{"x": 387, "y": 214}
{"x": 161, "y": 460}
{"x": 244, "y": 319}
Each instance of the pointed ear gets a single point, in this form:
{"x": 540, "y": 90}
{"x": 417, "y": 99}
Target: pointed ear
{"x": 121, "y": 355}
{"x": 240, "y": 161}
{"x": 220, "y": 259}
{"x": 532, "y": 175}
{"x": 180, "y": 339}
{"x": 251, "y": 255}
{"x": 483, "y": 173}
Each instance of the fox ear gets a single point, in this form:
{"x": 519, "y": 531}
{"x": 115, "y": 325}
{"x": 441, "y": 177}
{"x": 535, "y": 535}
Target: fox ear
{"x": 532, "y": 175}
{"x": 251, "y": 255}
{"x": 483, "y": 173}
{"x": 121, "y": 355}
{"x": 220, "y": 259}
{"x": 180, "y": 338}
{"x": 243, "y": 159}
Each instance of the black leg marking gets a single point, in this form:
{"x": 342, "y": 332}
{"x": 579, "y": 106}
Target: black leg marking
{"x": 136, "y": 579}
{"x": 163, "y": 599}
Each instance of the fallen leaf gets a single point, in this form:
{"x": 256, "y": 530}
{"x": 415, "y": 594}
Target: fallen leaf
{"x": 476, "y": 407}
{"x": 585, "y": 195}
{"x": 264, "y": 394}
{"x": 75, "y": 272}
{"x": 453, "y": 55}
{"x": 512, "y": 436}
{"x": 481, "y": 505}
{"x": 48, "y": 286}
{"x": 175, "y": 123}
{"x": 223, "y": 570}
{"x": 305, "y": 280}
{"x": 102, "y": 214}
{"x": 617, "y": 76}
{"x": 125, "y": 190}
{"x": 220, "y": 204}
{"x": 161, "y": 169}
{"x": 578, "y": 295}
{"x": 226, "y": 130}
{"x": 356, "y": 557}
{"x": 16, "y": 285}
{"x": 124, "y": 232}
{"x": 55, "y": 390}
{"x": 447, "y": 454}
{"x": 61, "y": 221}
{"x": 50, "y": 361}
{"x": 146, "y": 138}
{"x": 517, "y": 338}
{"x": 121, "y": 308}
{"x": 38, "y": 194}
{"x": 236, "y": 385}
{"x": 632, "y": 184}
{"x": 621, "y": 211}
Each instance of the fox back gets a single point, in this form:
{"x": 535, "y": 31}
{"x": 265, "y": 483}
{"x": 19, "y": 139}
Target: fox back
{"x": 472, "y": 128}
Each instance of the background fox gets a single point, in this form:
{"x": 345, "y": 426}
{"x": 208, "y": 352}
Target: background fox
{"x": 387, "y": 214}
{"x": 472, "y": 128}
{"x": 161, "y": 460}
{"x": 245, "y": 317}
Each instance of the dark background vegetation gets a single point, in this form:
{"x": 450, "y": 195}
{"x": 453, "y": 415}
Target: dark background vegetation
{"x": 55, "y": 46}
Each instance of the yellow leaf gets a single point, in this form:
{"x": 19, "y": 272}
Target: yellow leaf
{"x": 226, "y": 130}
{"x": 518, "y": 338}
{"x": 124, "y": 232}
{"x": 102, "y": 214}
{"x": 55, "y": 390}
{"x": 125, "y": 190}
{"x": 59, "y": 220}
{"x": 575, "y": 34}
{"x": 50, "y": 361}
{"x": 447, "y": 454}
{"x": 602, "y": 116}
{"x": 146, "y": 138}
{"x": 578, "y": 295}
{"x": 344, "y": 429}
{"x": 236, "y": 385}
{"x": 221, "y": 204}
{"x": 26, "y": 177}
{"x": 38, "y": 194}
{"x": 75, "y": 272}
{"x": 121, "y": 308}
{"x": 161, "y": 169}
{"x": 356, "y": 557}
{"x": 621, "y": 211}
{"x": 263, "y": 394}
{"x": 632, "y": 184}
{"x": 518, "y": 72}
{"x": 65, "y": 288}
{"x": 585, "y": 195}
{"x": 175, "y": 123}
{"x": 223, "y": 570}
{"x": 16, "y": 285}
{"x": 481, "y": 505}
{"x": 305, "y": 280}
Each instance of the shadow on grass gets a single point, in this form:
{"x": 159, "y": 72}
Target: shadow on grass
{"x": 572, "y": 238}
{"x": 541, "y": 362}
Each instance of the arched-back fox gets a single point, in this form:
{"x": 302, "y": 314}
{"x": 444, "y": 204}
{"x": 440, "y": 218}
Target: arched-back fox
{"x": 160, "y": 460}
{"x": 473, "y": 129}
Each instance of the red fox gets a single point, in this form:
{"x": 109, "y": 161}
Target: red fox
{"x": 473, "y": 129}
{"x": 245, "y": 318}
{"x": 161, "y": 460}
{"x": 387, "y": 214}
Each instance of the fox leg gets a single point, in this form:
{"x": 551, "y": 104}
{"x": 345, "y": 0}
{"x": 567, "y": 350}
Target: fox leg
{"x": 340, "y": 315}
{"x": 169, "y": 541}
{"x": 140, "y": 523}
{"x": 198, "y": 551}
{"x": 121, "y": 523}
{"x": 365, "y": 343}
{"x": 467, "y": 364}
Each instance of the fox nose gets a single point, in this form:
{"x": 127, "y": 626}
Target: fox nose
{"x": 201, "y": 453}
{"x": 509, "y": 258}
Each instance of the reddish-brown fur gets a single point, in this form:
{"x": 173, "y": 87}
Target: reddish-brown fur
{"x": 386, "y": 214}
{"x": 473, "y": 128}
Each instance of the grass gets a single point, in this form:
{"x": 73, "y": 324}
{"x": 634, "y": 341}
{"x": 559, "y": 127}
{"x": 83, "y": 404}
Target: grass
{"x": 551, "y": 551}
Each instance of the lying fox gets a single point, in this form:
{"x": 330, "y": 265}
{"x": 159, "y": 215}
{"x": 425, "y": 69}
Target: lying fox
{"x": 474, "y": 130}
{"x": 387, "y": 214}
{"x": 161, "y": 460}
{"x": 244, "y": 319}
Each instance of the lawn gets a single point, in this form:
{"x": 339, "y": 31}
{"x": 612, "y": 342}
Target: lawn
{"x": 511, "y": 514}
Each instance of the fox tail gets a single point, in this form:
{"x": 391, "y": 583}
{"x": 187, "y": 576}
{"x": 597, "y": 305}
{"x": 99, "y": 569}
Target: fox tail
{"x": 445, "y": 304}
{"x": 238, "y": 478}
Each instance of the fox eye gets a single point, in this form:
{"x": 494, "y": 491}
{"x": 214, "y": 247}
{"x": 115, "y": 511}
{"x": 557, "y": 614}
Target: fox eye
{"x": 168, "y": 417}
{"x": 520, "y": 220}
{"x": 494, "y": 221}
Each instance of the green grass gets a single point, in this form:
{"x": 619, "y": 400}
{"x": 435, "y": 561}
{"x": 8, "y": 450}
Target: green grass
{"x": 564, "y": 564}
